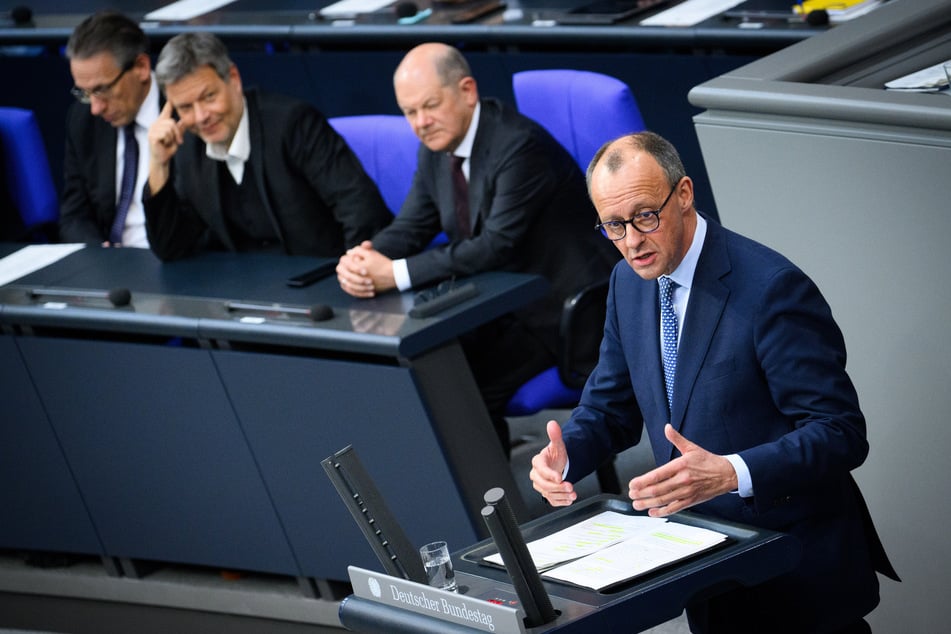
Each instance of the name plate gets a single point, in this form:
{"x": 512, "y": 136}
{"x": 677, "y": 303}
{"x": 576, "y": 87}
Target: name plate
{"x": 439, "y": 604}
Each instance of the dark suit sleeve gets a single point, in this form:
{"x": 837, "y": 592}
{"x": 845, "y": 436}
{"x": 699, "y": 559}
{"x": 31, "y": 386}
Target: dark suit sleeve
{"x": 418, "y": 221}
{"x": 332, "y": 169}
{"x": 175, "y": 230}
{"x": 77, "y": 216}
{"x": 607, "y": 420}
{"x": 517, "y": 181}
{"x": 802, "y": 354}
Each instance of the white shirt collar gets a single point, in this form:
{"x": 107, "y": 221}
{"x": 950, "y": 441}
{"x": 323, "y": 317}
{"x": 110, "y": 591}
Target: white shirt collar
{"x": 465, "y": 147}
{"x": 149, "y": 110}
{"x": 237, "y": 154}
{"x": 683, "y": 274}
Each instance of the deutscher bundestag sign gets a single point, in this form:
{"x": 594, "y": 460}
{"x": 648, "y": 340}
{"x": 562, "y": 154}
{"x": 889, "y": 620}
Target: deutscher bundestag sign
{"x": 438, "y": 604}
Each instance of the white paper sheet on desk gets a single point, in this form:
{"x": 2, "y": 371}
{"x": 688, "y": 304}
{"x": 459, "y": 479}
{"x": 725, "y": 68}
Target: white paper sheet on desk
{"x": 352, "y": 8}
{"x": 186, "y": 9}
{"x": 690, "y": 12}
{"x": 929, "y": 79}
{"x": 636, "y": 556}
{"x": 33, "y": 258}
{"x": 586, "y": 537}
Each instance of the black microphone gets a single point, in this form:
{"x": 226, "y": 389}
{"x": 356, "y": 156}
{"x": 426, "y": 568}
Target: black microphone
{"x": 818, "y": 17}
{"x": 406, "y": 9}
{"x": 19, "y": 16}
{"x": 117, "y": 296}
{"x": 318, "y": 312}
{"x": 500, "y": 520}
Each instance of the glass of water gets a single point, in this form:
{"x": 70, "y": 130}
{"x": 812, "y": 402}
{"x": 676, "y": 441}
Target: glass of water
{"x": 438, "y": 565}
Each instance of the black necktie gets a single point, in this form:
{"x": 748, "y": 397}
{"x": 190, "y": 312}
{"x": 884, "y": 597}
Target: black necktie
{"x": 460, "y": 188}
{"x": 130, "y": 166}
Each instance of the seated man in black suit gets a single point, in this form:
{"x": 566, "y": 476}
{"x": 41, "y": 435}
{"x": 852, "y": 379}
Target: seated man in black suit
{"x": 522, "y": 206}
{"x": 118, "y": 101}
{"x": 247, "y": 170}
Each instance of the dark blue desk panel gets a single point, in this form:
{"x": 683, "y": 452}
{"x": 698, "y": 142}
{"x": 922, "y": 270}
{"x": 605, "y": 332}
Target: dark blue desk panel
{"x": 42, "y": 507}
{"x": 297, "y": 411}
{"x": 157, "y": 452}
{"x": 216, "y": 442}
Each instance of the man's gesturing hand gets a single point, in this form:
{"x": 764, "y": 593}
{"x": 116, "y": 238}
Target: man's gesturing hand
{"x": 547, "y": 467}
{"x": 695, "y": 477}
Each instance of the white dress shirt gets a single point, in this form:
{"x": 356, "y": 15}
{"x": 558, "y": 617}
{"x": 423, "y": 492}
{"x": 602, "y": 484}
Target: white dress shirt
{"x": 133, "y": 234}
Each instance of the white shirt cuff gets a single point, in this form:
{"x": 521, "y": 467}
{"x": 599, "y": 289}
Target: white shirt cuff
{"x": 744, "y": 481}
{"x": 401, "y": 275}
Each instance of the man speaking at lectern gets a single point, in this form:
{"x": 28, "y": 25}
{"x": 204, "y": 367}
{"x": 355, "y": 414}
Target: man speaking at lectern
{"x": 729, "y": 356}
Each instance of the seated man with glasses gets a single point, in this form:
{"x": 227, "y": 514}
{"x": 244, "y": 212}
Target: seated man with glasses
{"x": 508, "y": 196}
{"x": 105, "y": 163}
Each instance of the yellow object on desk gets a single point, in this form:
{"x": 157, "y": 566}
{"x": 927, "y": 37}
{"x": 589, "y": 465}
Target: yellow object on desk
{"x": 806, "y": 6}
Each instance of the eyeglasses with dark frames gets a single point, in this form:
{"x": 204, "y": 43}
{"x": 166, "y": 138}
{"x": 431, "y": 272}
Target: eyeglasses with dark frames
{"x": 643, "y": 221}
{"x": 100, "y": 92}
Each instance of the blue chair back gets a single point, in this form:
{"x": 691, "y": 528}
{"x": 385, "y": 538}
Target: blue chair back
{"x": 387, "y": 148}
{"x": 581, "y": 109}
{"x": 27, "y": 176}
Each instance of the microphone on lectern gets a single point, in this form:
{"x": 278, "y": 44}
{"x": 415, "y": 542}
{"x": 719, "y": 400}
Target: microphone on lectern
{"x": 500, "y": 520}
{"x": 117, "y": 296}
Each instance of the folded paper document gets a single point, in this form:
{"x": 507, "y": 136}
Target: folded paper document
{"x": 610, "y": 548}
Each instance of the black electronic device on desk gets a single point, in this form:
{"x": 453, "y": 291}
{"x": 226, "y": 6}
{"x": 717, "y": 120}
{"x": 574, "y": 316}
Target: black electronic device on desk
{"x": 441, "y": 297}
{"x": 608, "y": 11}
{"x": 747, "y": 556}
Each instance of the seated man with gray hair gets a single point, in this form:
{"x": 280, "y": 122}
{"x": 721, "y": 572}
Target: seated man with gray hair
{"x": 240, "y": 170}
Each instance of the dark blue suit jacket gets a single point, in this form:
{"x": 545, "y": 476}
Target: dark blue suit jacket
{"x": 761, "y": 372}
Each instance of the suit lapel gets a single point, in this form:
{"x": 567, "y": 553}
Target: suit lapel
{"x": 106, "y": 165}
{"x": 708, "y": 297}
{"x": 481, "y": 157}
{"x": 642, "y": 339}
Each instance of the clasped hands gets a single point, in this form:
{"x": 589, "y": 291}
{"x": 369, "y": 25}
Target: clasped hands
{"x": 363, "y": 271}
{"x": 696, "y": 476}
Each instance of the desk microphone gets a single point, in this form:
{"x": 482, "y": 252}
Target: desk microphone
{"x": 117, "y": 296}
{"x": 406, "y": 9}
{"x": 318, "y": 312}
{"x": 19, "y": 16}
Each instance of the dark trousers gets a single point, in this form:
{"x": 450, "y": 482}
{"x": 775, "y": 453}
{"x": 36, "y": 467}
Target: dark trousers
{"x": 503, "y": 355}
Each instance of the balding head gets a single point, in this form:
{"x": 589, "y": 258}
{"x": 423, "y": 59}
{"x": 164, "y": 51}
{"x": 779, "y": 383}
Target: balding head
{"x": 640, "y": 176}
{"x": 437, "y": 94}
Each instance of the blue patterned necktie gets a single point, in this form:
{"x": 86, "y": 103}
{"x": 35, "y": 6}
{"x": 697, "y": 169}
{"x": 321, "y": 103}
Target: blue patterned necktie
{"x": 668, "y": 330}
{"x": 130, "y": 166}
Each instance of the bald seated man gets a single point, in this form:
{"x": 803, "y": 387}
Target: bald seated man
{"x": 518, "y": 203}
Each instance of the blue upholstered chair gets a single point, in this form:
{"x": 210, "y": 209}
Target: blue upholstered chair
{"x": 27, "y": 179}
{"x": 387, "y": 147}
{"x": 581, "y": 109}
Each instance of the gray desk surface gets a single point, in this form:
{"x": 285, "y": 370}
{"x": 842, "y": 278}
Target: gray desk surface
{"x": 190, "y": 297}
